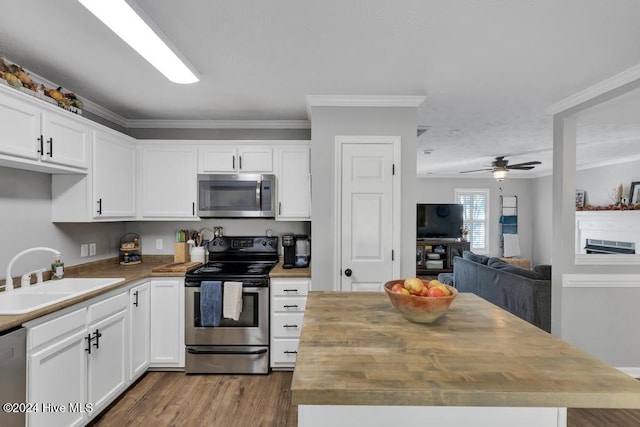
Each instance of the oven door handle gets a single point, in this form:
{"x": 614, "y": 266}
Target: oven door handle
{"x": 225, "y": 351}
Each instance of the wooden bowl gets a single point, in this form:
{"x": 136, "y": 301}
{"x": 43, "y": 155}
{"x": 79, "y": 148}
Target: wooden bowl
{"x": 420, "y": 309}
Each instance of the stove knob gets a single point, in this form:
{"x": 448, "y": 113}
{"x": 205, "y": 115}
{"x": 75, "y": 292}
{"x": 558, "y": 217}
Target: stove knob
{"x": 270, "y": 242}
{"x": 264, "y": 243}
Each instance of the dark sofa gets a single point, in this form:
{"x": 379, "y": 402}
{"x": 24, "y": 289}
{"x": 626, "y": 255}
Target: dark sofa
{"x": 524, "y": 293}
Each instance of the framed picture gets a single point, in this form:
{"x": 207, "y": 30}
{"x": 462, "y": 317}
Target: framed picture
{"x": 580, "y": 198}
{"x": 634, "y": 195}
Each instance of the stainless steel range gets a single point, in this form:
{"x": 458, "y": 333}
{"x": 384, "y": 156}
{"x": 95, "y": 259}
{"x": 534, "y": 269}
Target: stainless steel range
{"x": 231, "y": 346}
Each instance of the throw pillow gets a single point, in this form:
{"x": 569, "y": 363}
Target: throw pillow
{"x": 470, "y": 256}
{"x": 498, "y": 264}
{"x": 543, "y": 269}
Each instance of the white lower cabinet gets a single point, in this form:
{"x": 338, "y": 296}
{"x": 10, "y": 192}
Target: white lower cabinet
{"x": 288, "y": 301}
{"x": 57, "y": 367}
{"x": 139, "y": 330}
{"x": 77, "y": 362}
{"x": 108, "y": 365}
{"x": 167, "y": 323}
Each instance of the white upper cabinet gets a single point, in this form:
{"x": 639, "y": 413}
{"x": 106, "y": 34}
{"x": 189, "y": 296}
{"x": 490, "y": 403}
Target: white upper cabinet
{"x": 20, "y": 124}
{"x": 113, "y": 176}
{"x": 41, "y": 137}
{"x": 227, "y": 158}
{"x": 66, "y": 140}
{"x": 293, "y": 182}
{"x": 168, "y": 181}
{"x": 107, "y": 193}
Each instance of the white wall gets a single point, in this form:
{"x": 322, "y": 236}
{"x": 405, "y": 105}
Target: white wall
{"x": 601, "y": 183}
{"x": 25, "y": 222}
{"x": 150, "y": 231}
{"x": 441, "y": 190}
{"x": 328, "y": 122}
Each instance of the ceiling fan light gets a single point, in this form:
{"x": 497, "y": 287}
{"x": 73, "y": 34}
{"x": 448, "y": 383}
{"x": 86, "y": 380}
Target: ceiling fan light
{"x": 500, "y": 174}
{"x": 130, "y": 27}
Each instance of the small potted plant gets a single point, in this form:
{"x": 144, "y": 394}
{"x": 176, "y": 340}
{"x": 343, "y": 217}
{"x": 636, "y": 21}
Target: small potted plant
{"x": 465, "y": 231}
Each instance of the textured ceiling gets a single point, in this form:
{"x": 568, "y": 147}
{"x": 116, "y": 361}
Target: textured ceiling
{"x": 488, "y": 68}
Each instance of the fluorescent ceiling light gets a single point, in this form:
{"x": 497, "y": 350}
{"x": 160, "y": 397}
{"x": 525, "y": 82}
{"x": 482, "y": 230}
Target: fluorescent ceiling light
{"x": 126, "y": 23}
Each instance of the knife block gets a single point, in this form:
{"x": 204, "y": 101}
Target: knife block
{"x": 181, "y": 252}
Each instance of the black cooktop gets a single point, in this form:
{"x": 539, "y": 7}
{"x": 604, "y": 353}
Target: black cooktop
{"x": 239, "y": 268}
{"x": 236, "y": 258}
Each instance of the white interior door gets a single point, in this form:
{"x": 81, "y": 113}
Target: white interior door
{"x": 367, "y": 178}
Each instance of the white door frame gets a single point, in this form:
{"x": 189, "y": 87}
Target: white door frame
{"x": 396, "y": 210}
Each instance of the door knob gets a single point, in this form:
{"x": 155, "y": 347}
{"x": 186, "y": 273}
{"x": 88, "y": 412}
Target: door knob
{"x": 348, "y": 272}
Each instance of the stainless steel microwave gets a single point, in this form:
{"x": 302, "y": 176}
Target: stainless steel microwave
{"x": 236, "y": 195}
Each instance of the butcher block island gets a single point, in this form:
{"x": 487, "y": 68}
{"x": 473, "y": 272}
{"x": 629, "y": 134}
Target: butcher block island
{"x": 361, "y": 363}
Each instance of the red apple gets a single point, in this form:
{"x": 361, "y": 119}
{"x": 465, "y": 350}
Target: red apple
{"x": 436, "y": 291}
{"x": 400, "y": 289}
{"x": 397, "y": 287}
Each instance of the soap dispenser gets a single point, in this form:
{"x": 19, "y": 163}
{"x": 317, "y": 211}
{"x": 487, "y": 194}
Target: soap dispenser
{"x": 57, "y": 269}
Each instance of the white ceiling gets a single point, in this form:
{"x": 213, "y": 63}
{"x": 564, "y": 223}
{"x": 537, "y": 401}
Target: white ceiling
{"x": 488, "y": 68}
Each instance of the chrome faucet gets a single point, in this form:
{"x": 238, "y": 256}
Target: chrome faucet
{"x": 9, "y": 279}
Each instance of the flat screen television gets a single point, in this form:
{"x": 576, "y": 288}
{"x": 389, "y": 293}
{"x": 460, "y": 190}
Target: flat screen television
{"x": 439, "y": 221}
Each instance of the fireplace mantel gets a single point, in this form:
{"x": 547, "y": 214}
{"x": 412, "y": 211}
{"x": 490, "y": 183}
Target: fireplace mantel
{"x": 607, "y": 225}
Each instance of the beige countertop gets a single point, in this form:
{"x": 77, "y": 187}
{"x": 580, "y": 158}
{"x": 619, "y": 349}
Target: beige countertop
{"x": 99, "y": 269}
{"x": 131, "y": 273}
{"x": 356, "y": 349}
{"x": 278, "y": 271}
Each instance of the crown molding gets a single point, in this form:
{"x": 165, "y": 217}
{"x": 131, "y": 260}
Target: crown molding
{"x": 628, "y": 76}
{"x": 218, "y": 124}
{"x": 363, "y": 101}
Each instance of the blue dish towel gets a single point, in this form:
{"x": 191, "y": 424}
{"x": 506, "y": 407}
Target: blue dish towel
{"x": 210, "y": 303}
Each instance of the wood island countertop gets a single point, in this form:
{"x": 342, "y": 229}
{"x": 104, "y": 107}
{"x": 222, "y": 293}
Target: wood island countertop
{"x": 356, "y": 349}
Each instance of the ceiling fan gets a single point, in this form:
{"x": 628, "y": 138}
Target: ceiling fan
{"x": 500, "y": 166}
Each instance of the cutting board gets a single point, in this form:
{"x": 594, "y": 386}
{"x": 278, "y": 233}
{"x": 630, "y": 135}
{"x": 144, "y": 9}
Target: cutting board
{"x": 175, "y": 267}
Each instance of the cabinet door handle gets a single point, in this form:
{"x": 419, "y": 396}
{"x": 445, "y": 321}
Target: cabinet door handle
{"x": 233, "y": 162}
{"x": 50, "y": 142}
{"x": 135, "y": 301}
{"x": 279, "y": 208}
{"x": 193, "y": 208}
{"x": 88, "y": 338}
{"x": 291, "y": 306}
{"x": 99, "y": 207}
{"x": 239, "y": 162}
{"x": 290, "y": 290}
{"x": 41, "y": 141}
{"x": 290, "y": 326}
{"x": 290, "y": 352}
{"x": 98, "y": 334}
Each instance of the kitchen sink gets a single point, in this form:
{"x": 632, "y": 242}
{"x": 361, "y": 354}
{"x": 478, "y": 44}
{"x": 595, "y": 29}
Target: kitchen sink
{"x": 72, "y": 285}
{"x": 17, "y": 302}
{"x": 35, "y": 297}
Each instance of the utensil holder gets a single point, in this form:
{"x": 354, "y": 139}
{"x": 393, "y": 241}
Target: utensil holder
{"x": 181, "y": 252}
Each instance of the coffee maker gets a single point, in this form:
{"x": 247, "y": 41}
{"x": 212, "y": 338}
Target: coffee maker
{"x": 303, "y": 250}
{"x": 289, "y": 250}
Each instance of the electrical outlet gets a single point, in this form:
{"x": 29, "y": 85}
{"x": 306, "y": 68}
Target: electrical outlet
{"x": 158, "y": 243}
{"x": 84, "y": 250}
{"x": 92, "y": 249}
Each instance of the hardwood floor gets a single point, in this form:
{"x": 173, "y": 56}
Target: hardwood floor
{"x": 164, "y": 399}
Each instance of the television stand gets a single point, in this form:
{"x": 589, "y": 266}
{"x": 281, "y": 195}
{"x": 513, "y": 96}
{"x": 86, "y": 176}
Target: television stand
{"x": 435, "y": 256}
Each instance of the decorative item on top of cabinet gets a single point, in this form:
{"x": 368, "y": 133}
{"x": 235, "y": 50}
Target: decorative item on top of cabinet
{"x": 130, "y": 249}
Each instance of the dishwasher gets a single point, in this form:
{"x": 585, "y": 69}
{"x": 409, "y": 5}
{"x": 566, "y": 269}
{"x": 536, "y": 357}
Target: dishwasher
{"x": 13, "y": 377}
